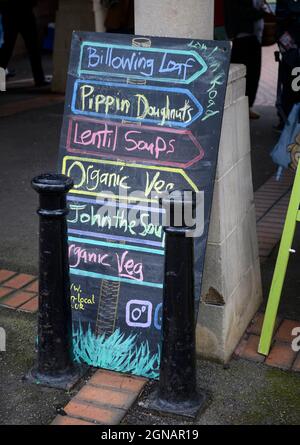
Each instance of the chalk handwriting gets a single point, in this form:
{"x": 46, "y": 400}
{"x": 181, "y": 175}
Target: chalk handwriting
{"x": 99, "y": 176}
{"x": 177, "y": 106}
{"x": 79, "y": 300}
{"x": 179, "y": 66}
{"x": 125, "y": 265}
{"x": 162, "y": 146}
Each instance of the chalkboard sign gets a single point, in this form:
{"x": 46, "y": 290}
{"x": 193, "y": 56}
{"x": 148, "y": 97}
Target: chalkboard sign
{"x": 142, "y": 116}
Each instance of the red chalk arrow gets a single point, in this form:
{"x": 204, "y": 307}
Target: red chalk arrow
{"x": 152, "y": 145}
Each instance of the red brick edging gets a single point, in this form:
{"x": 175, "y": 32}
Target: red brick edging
{"x": 271, "y": 203}
{"x": 107, "y": 396}
{"x": 281, "y": 354}
{"x": 104, "y": 400}
{"x": 18, "y": 291}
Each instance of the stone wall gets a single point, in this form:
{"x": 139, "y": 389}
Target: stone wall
{"x": 231, "y": 290}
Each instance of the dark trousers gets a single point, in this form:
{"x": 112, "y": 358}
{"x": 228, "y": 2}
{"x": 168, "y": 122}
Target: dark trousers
{"x": 247, "y": 50}
{"x": 15, "y": 22}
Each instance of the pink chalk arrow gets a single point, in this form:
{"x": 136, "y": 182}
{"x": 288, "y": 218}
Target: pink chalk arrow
{"x": 139, "y": 143}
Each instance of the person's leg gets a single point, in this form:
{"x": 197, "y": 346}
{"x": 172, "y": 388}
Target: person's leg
{"x": 28, "y": 29}
{"x": 10, "y": 29}
{"x": 247, "y": 51}
{"x": 238, "y": 53}
{"x": 241, "y": 49}
{"x": 253, "y": 69}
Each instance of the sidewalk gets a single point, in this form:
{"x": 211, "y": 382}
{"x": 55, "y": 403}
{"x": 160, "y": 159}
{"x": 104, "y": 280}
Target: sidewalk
{"x": 245, "y": 392}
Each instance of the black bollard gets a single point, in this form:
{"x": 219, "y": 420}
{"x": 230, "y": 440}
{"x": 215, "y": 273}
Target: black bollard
{"x": 177, "y": 391}
{"x": 55, "y": 367}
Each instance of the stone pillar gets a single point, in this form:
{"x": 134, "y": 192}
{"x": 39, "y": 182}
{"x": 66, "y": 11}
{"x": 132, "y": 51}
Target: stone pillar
{"x": 79, "y": 15}
{"x": 175, "y": 18}
{"x": 99, "y": 16}
{"x": 231, "y": 290}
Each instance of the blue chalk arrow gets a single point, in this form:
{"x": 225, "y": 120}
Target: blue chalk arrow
{"x": 163, "y": 65}
{"x": 112, "y": 89}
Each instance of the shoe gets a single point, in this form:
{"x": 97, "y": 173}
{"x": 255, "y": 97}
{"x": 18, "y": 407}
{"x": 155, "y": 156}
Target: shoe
{"x": 42, "y": 83}
{"x": 10, "y": 73}
{"x": 253, "y": 115}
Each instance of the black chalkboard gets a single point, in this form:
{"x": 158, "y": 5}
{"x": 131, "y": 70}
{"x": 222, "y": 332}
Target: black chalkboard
{"x": 142, "y": 116}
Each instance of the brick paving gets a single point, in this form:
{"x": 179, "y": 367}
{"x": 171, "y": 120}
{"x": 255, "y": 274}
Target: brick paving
{"x": 271, "y": 203}
{"x": 19, "y": 281}
{"x": 284, "y": 332}
{"x": 18, "y": 291}
{"x": 18, "y": 299}
{"x": 105, "y": 399}
{"x": 281, "y": 353}
{"x": 296, "y": 366}
{"x": 107, "y": 396}
{"x": 31, "y": 305}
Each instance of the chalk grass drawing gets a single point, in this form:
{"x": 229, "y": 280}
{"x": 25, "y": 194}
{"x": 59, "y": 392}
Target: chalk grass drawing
{"x": 116, "y": 352}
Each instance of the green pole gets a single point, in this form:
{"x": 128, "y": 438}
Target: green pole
{"x": 292, "y": 217}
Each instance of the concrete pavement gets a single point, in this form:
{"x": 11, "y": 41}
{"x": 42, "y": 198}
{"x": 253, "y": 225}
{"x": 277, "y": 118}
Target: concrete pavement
{"x": 29, "y": 146}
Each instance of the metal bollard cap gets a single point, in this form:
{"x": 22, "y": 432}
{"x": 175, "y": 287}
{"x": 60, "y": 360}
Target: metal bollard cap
{"x": 52, "y": 183}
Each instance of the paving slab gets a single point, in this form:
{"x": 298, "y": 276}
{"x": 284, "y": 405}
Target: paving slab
{"x": 23, "y": 403}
